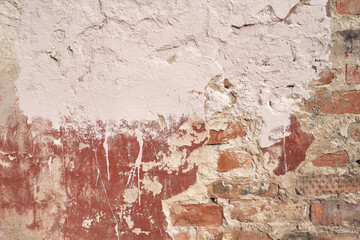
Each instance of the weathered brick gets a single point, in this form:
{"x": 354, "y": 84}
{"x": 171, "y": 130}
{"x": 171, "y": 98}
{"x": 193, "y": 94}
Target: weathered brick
{"x": 334, "y": 213}
{"x": 337, "y": 159}
{"x": 232, "y": 160}
{"x": 348, "y": 6}
{"x": 335, "y": 102}
{"x": 307, "y": 236}
{"x": 251, "y": 210}
{"x": 216, "y": 234}
{"x": 205, "y": 215}
{"x": 319, "y": 184}
{"x": 181, "y": 236}
{"x": 232, "y": 131}
{"x": 242, "y": 187}
{"x": 326, "y": 76}
{"x": 354, "y": 131}
{"x": 352, "y": 75}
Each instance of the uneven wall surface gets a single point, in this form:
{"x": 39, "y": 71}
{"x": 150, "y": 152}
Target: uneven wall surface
{"x": 180, "y": 119}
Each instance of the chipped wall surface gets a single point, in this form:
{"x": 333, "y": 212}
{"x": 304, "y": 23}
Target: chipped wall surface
{"x": 179, "y": 120}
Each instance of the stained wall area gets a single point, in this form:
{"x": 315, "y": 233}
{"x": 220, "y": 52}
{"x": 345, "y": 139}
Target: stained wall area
{"x": 180, "y": 119}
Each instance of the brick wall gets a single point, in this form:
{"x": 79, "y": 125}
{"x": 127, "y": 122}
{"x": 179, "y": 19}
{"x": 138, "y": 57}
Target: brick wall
{"x": 316, "y": 195}
{"x": 183, "y": 176}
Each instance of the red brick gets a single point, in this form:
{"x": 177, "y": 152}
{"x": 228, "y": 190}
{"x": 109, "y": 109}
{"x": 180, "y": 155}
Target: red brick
{"x": 337, "y": 159}
{"x": 254, "y": 210}
{"x": 334, "y": 213}
{"x": 348, "y": 6}
{"x": 354, "y": 131}
{"x": 232, "y": 131}
{"x": 204, "y": 215}
{"x": 181, "y": 236}
{"x": 319, "y": 184}
{"x": 232, "y": 160}
{"x": 326, "y": 76}
{"x": 352, "y": 75}
{"x": 242, "y": 187}
{"x": 317, "y": 211}
{"x": 307, "y": 236}
{"x": 335, "y": 102}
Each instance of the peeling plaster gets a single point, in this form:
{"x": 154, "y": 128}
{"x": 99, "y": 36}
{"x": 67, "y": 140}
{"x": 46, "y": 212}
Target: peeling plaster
{"x": 114, "y": 63}
{"x": 129, "y": 72}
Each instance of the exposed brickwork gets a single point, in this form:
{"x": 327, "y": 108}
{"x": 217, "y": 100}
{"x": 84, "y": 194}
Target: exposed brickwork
{"x": 232, "y": 160}
{"x": 326, "y": 76}
{"x": 337, "y": 159}
{"x": 334, "y": 213}
{"x": 238, "y": 188}
{"x": 204, "y": 215}
{"x": 352, "y": 75}
{"x": 247, "y": 210}
{"x": 178, "y": 176}
{"x": 328, "y": 184}
{"x": 340, "y": 102}
{"x": 348, "y": 6}
{"x": 232, "y": 131}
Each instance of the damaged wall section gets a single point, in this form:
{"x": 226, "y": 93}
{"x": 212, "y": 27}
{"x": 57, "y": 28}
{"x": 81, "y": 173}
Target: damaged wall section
{"x": 182, "y": 120}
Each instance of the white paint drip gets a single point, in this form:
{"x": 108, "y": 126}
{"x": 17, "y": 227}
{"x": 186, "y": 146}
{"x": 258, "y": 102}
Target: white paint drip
{"x": 106, "y": 195}
{"x": 117, "y": 231}
{"x": 97, "y": 176}
{"x": 49, "y": 164}
{"x": 137, "y": 165}
{"x": 106, "y": 147}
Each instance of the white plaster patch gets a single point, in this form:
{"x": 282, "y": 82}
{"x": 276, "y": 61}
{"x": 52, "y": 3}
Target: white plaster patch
{"x": 117, "y": 62}
{"x": 138, "y": 231}
{"x": 83, "y": 146}
{"x": 129, "y": 222}
{"x": 87, "y": 223}
{"x": 272, "y": 121}
{"x": 130, "y": 195}
{"x": 153, "y": 186}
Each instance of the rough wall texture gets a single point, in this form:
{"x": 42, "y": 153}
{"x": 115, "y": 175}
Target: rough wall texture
{"x": 180, "y": 120}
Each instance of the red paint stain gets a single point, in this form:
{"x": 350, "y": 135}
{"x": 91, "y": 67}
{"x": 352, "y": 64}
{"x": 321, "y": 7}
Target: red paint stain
{"x": 293, "y": 147}
{"x": 84, "y": 175}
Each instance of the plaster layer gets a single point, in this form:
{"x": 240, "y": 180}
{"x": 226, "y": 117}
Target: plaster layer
{"x": 94, "y": 60}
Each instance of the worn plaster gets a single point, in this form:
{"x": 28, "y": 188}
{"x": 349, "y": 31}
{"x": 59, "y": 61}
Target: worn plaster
{"x": 113, "y": 63}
